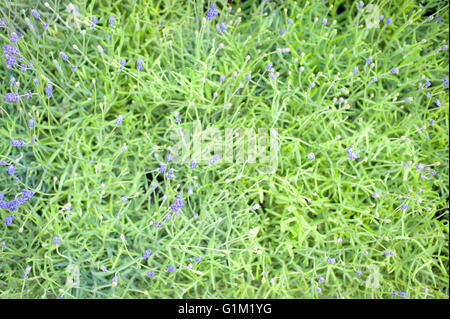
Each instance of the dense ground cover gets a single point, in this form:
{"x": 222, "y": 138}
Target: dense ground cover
{"x": 92, "y": 205}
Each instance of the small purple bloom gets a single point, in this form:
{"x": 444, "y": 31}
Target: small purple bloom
{"x": 352, "y": 155}
{"x": 197, "y": 259}
{"x": 355, "y": 70}
{"x": 394, "y": 71}
{"x": 437, "y": 102}
{"x": 111, "y": 21}
{"x": 146, "y": 253}
{"x": 404, "y": 206}
{"x": 63, "y": 56}
{"x": 48, "y": 90}
{"x": 162, "y": 167}
{"x": 8, "y": 220}
{"x": 17, "y": 143}
{"x": 171, "y": 269}
{"x": 211, "y": 13}
{"x": 283, "y": 31}
{"x": 432, "y": 122}
{"x": 14, "y": 37}
{"x": 420, "y": 166}
{"x": 388, "y": 21}
{"x": 222, "y": 78}
{"x": 11, "y": 169}
{"x": 139, "y": 64}
{"x": 150, "y": 273}
{"x": 11, "y": 97}
{"x": 119, "y": 120}
{"x": 56, "y": 240}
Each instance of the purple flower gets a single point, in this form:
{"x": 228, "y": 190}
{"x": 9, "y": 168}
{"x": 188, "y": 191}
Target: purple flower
{"x": 48, "y": 90}
{"x": 360, "y": 5}
{"x": 162, "y": 167}
{"x": 437, "y": 102}
{"x": 150, "y": 273}
{"x": 432, "y": 122}
{"x": 56, "y": 240}
{"x": 8, "y": 220}
{"x": 355, "y": 70}
{"x": 17, "y": 143}
{"x": 318, "y": 289}
{"x": 320, "y": 278}
{"x": 283, "y": 31}
{"x": 311, "y": 156}
{"x": 119, "y": 120}
{"x": 14, "y": 37}
{"x": 420, "y": 166}
{"x": 432, "y": 172}
{"x": 211, "y": 13}
{"x": 26, "y": 272}
{"x": 35, "y": 14}
{"x": 388, "y": 21}
{"x": 139, "y": 64}
{"x": 11, "y": 97}
{"x": 192, "y": 164}
{"x": 10, "y": 61}
{"x": 28, "y": 194}
{"x": 221, "y": 27}
{"x": 123, "y": 199}
{"x": 177, "y": 205}
{"x": 2, "y": 244}
{"x": 222, "y": 78}
{"x": 358, "y": 272}
{"x": 11, "y": 169}
{"x": 289, "y": 21}
{"x": 269, "y": 65}
{"x": 171, "y": 269}
{"x": 170, "y": 173}
{"x": 146, "y": 253}
{"x": 404, "y": 206}
{"x": 445, "y": 82}
{"x": 248, "y": 78}
{"x": 428, "y": 95}
{"x": 197, "y": 259}
{"x": 352, "y": 155}
{"x": 214, "y": 159}
{"x": 10, "y": 50}
{"x": 394, "y": 71}
{"x": 115, "y": 279}
{"x": 111, "y": 21}
{"x": 94, "y": 21}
